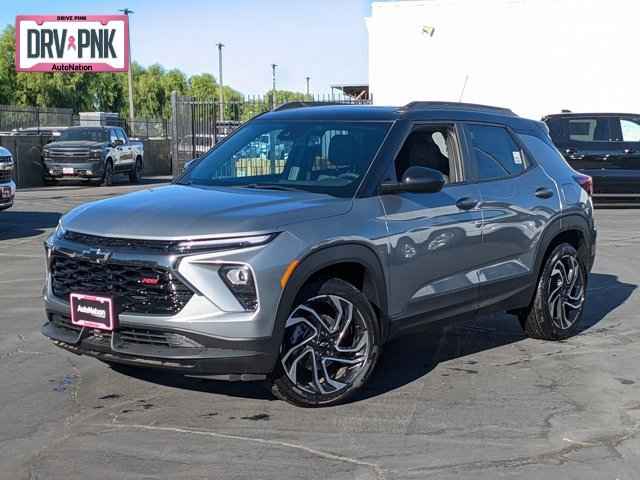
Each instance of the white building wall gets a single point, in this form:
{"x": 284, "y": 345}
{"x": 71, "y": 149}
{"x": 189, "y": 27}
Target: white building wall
{"x": 534, "y": 56}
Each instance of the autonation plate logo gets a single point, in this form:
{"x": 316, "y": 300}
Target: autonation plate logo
{"x": 72, "y": 43}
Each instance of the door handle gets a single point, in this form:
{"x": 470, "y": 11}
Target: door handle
{"x": 466, "y": 203}
{"x": 543, "y": 192}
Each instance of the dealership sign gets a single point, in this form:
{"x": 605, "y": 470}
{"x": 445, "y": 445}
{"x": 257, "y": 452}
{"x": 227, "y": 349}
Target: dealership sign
{"x": 72, "y": 43}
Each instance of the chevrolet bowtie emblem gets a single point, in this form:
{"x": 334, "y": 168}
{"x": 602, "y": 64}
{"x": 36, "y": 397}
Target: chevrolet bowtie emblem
{"x": 97, "y": 255}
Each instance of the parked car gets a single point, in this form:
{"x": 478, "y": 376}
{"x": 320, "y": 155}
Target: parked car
{"x": 605, "y": 146}
{"x": 92, "y": 153}
{"x": 300, "y": 273}
{"x": 7, "y": 185}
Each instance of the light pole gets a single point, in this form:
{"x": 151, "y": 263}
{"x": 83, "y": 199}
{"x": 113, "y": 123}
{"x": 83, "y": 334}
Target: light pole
{"x": 308, "y": 78}
{"x": 220, "y": 45}
{"x": 273, "y": 93}
{"x": 127, "y": 12}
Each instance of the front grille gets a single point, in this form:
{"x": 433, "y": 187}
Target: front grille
{"x": 123, "y": 282}
{"x": 68, "y": 152}
{"x": 5, "y": 175}
{"x": 155, "y": 337}
{"x": 125, "y": 243}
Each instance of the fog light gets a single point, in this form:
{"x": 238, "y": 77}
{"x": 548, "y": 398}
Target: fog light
{"x": 89, "y": 172}
{"x": 239, "y": 279}
{"x": 51, "y": 171}
{"x": 238, "y": 276}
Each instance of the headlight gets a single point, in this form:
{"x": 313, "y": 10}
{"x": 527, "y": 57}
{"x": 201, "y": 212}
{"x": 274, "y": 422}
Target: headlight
{"x": 239, "y": 279}
{"x": 225, "y": 243}
{"x": 95, "y": 152}
{"x": 59, "y": 232}
{"x": 6, "y": 163}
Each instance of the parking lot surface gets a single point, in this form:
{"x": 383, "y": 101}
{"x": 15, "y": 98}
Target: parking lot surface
{"x": 473, "y": 400}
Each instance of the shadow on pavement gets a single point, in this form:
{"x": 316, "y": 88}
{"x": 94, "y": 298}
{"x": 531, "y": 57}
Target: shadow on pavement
{"x": 411, "y": 357}
{"x": 14, "y": 224}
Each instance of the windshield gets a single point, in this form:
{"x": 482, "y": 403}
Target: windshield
{"x": 90, "y": 134}
{"x": 323, "y": 157}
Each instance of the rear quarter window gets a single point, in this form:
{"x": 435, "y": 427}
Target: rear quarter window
{"x": 546, "y": 155}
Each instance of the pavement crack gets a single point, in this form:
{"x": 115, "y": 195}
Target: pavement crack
{"x": 275, "y": 443}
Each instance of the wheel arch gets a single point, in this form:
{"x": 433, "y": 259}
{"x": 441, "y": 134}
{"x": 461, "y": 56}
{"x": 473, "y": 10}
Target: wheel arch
{"x": 572, "y": 229}
{"x": 353, "y": 262}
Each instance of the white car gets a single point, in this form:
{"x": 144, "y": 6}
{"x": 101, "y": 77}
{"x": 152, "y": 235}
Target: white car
{"x": 7, "y": 185}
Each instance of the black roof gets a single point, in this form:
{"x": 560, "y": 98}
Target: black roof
{"x": 590, "y": 115}
{"x": 414, "y": 111}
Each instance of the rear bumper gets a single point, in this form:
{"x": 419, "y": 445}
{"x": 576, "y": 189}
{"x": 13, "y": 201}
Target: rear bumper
{"x": 88, "y": 169}
{"x": 169, "y": 349}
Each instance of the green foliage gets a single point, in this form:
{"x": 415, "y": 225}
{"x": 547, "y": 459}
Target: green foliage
{"x": 7, "y": 65}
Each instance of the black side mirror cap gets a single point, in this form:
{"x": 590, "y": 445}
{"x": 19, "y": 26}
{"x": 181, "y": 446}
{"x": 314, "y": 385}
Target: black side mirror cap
{"x": 417, "y": 180}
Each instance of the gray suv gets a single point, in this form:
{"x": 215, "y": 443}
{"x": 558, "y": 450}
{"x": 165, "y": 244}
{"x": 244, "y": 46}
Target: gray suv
{"x": 299, "y": 245}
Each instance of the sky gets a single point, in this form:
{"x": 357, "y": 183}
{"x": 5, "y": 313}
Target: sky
{"x": 323, "y": 39}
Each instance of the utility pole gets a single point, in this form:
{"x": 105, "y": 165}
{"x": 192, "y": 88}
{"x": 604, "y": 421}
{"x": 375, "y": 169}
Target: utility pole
{"x": 132, "y": 115}
{"x": 220, "y": 45}
{"x": 308, "y": 78}
{"x": 273, "y": 93}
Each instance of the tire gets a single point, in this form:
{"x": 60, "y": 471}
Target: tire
{"x": 107, "y": 176}
{"x": 134, "y": 175}
{"x": 558, "y": 304}
{"x": 320, "y": 336}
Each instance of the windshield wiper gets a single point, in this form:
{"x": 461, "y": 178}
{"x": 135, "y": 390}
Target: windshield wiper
{"x": 270, "y": 186}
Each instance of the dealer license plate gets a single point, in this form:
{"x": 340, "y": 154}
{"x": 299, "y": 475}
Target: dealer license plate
{"x": 92, "y": 311}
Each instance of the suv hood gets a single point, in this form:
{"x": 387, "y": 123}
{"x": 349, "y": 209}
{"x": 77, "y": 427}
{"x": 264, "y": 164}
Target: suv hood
{"x": 178, "y": 212}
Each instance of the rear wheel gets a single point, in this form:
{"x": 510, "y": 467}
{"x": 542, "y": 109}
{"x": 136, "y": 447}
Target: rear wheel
{"x": 135, "y": 174}
{"x": 330, "y": 347}
{"x": 558, "y": 304}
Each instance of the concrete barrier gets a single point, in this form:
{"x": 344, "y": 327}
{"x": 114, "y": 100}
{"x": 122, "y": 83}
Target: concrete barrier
{"x": 156, "y": 157}
{"x": 27, "y": 153}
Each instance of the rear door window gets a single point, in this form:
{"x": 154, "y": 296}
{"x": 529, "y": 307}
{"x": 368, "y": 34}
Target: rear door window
{"x": 629, "y": 129}
{"x": 494, "y": 153}
{"x": 595, "y": 129}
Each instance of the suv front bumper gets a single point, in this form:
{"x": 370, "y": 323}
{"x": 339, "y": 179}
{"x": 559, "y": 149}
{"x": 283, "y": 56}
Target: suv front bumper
{"x": 169, "y": 349}
{"x": 86, "y": 169}
{"x": 210, "y": 335}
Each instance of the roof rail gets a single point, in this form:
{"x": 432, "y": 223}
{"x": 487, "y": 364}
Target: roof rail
{"x": 302, "y": 103}
{"x": 428, "y": 105}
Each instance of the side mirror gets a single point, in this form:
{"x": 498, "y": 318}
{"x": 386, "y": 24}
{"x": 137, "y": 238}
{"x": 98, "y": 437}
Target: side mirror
{"x": 189, "y": 164}
{"x": 417, "y": 180}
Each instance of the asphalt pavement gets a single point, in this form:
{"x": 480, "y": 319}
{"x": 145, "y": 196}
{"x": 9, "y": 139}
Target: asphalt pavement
{"x": 475, "y": 400}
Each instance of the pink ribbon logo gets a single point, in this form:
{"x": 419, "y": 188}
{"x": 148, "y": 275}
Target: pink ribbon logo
{"x": 72, "y": 43}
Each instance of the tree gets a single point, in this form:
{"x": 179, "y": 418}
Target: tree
{"x": 203, "y": 87}
{"x": 7, "y": 65}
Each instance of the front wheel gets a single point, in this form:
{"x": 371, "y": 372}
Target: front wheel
{"x": 331, "y": 345}
{"x": 135, "y": 174}
{"x": 558, "y": 304}
{"x": 107, "y": 177}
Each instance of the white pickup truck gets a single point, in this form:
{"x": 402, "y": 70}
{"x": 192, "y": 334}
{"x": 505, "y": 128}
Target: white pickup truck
{"x": 92, "y": 153}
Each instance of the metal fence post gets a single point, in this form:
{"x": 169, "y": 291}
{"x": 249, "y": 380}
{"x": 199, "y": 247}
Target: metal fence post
{"x": 174, "y": 134}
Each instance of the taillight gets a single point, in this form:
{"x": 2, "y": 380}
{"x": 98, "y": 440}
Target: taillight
{"x": 586, "y": 182}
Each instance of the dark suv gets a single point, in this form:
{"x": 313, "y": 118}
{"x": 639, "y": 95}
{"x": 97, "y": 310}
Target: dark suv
{"x": 605, "y": 146}
{"x": 297, "y": 247}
